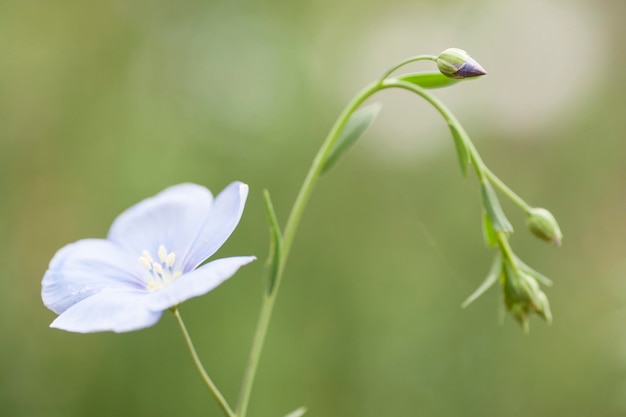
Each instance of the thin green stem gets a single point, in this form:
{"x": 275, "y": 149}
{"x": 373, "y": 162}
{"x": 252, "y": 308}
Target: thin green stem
{"x": 505, "y": 248}
{"x": 255, "y": 354}
{"x": 407, "y": 61}
{"x": 434, "y": 101}
{"x": 290, "y": 229}
{"x": 507, "y": 191}
{"x": 203, "y": 374}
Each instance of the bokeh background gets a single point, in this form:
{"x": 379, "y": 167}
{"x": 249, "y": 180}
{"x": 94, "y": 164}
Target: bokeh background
{"x": 105, "y": 103}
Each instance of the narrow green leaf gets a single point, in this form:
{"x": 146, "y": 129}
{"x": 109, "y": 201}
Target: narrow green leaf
{"x": 460, "y": 143}
{"x": 354, "y": 128}
{"x": 276, "y": 243}
{"x": 492, "y": 206}
{"x": 297, "y": 413}
{"x": 429, "y": 79}
{"x": 533, "y": 273}
{"x": 492, "y": 278}
{"x": 488, "y": 233}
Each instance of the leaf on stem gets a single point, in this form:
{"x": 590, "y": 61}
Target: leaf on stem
{"x": 492, "y": 278}
{"x": 488, "y": 233}
{"x": 492, "y": 206}
{"x": 297, "y": 413}
{"x": 354, "y": 128}
{"x": 428, "y": 79}
{"x": 276, "y": 243}
{"x": 460, "y": 143}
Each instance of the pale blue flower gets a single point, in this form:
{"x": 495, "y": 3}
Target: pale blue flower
{"x": 147, "y": 263}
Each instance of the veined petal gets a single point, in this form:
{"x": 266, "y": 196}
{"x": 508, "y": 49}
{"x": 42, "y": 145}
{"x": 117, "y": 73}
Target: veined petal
{"x": 171, "y": 218}
{"x": 197, "y": 282}
{"x": 221, "y": 221}
{"x": 109, "y": 310}
{"x": 82, "y": 269}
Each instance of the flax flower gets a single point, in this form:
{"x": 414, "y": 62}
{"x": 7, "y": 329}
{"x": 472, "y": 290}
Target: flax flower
{"x": 148, "y": 263}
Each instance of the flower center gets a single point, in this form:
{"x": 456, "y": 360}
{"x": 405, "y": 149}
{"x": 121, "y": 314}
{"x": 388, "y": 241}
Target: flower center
{"x": 162, "y": 272}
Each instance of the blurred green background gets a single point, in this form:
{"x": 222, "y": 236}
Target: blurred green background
{"x": 105, "y": 103}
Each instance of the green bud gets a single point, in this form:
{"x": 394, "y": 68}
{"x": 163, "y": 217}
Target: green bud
{"x": 543, "y": 225}
{"x": 456, "y": 63}
{"x": 523, "y": 296}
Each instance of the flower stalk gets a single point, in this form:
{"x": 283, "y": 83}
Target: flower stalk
{"x": 198, "y": 363}
{"x": 452, "y": 67}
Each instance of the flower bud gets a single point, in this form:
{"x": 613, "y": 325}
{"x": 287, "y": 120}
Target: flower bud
{"x": 522, "y": 296}
{"x": 543, "y": 225}
{"x": 456, "y": 63}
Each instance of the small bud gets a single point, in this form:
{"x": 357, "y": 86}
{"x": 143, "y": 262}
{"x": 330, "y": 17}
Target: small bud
{"x": 456, "y": 63}
{"x": 522, "y": 296}
{"x": 543, "y": 225}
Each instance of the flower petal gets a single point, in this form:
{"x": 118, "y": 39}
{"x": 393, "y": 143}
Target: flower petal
{"x": 221, "y": 222}
{"x": 171, "y": 218}
{"x": 83, "y": 268}
{"x": 197, "y": 282}
{"x": 109, "y": 310}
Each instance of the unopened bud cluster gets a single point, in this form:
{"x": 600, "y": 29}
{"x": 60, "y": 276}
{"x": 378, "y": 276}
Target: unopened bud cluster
{"x": 523, "y": 296}
{"x": 519, "y": 282}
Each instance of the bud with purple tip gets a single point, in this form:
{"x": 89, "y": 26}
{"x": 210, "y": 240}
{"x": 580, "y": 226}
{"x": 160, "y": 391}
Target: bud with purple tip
{"x": 456, "y": 63}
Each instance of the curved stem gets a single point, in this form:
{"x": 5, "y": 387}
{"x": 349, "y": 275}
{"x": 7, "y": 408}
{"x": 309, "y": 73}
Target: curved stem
{"x": 407, "y": 61}
{"x": 203, "y": 374}
{"x": 481, "y": 168}
{"x": 477, "y": 161}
